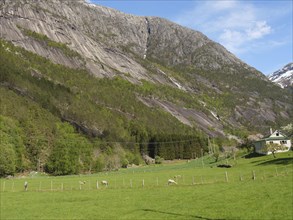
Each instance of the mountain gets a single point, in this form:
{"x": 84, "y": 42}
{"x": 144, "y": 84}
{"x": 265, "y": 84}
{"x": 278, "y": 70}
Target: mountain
{"x": 97, "y": 88}
{"x": 283, "y": 76}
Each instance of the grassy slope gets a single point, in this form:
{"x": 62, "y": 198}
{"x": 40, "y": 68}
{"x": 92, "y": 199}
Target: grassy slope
{"x": 211, "y": 197}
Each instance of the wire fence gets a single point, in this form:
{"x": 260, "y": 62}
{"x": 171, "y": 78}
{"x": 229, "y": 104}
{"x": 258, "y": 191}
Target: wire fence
{"x": 89, "y": 183}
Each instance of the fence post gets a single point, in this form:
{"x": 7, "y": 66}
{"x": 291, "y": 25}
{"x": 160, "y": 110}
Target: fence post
{"x": 157, "y": 181}
{"x": 215, "y": 179}
{"x": 193, "y": 180}
{"x": 264, "y": 175}
{"x": 61, "y": 186}
{"x": 253, "y": 175}
{"x": 183, "y": 180}
{"x": 240, "y": 177}
{"x": 226, "y": 175}
{"x": 277, "y": 171}
{"x": 202, "y": 158}
{"x": 286, "y": 170}
{"x": 97, "y": 184}
{"x": 142, "y": 182}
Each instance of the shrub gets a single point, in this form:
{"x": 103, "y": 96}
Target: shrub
{"x": 99, "y": 165}
{"x": 159, "y": 160}
{"x": 124, "y": 163}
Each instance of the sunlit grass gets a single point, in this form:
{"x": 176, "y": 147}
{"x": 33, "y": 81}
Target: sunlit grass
{"x": 203, "y": 192}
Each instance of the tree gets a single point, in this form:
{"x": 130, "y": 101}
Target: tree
{"x": 273, "y": 147}
{"x": 71, "y": 153}
{"x": 216, "y": 155}
{"x": 7, "y": 159}
{"x": 12, "y": 147}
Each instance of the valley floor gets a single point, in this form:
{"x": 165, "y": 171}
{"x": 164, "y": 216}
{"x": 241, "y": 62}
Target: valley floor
{"x": 254, "y": 188}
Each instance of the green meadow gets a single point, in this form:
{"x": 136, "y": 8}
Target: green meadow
{"x": 253, "y": 188}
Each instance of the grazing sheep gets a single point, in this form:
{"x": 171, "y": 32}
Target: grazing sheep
{"x": 170, "y": 181}
{"x": 177, "y": 176}
{"x": 25, "y": 185}
{"x": 82, "y": 182}
{"x": 104, "y": 182}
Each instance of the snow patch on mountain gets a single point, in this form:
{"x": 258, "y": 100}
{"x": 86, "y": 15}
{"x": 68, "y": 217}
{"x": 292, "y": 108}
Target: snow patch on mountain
{"x": 283, "y": 76}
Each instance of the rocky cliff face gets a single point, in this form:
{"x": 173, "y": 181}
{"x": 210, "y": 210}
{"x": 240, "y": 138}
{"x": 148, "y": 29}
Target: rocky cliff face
{"x": 82, "y": 27}
{"x": 101, "y": 35}
{"x": 109, "y": 43}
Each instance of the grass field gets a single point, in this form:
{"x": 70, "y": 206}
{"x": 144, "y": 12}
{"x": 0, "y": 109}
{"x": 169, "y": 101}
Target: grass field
{"x": 203, "y": 192}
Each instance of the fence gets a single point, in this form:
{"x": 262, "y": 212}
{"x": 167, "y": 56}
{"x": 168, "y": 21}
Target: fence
{"x": 53, "y": 184}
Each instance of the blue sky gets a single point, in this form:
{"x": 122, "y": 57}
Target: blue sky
{"x": 258, "y": 32}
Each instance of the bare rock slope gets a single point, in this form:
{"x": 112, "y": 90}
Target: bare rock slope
{"x": 108, "y": 43}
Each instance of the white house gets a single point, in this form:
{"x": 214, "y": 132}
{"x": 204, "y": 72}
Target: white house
{"x": 276, "y": 137}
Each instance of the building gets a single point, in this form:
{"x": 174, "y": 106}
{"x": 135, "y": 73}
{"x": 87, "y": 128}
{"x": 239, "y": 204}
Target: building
{"x": 275, "y": 137}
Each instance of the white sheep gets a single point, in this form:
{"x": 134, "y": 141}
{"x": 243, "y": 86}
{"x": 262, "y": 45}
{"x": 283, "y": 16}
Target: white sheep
{"x": 25, "y": 185}
{"x": 82, "y": 182}
{"x": 170, "y": 181}
{"x": 104, "y": 182}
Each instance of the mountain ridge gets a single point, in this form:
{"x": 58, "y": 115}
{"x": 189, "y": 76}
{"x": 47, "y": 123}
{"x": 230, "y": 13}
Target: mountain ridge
{"x": 116, "y": 37}
{"x": 125, "y": 45}
{"x": 283, "y": 76}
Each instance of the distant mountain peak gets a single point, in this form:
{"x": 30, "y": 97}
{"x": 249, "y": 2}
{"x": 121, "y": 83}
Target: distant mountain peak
{"x": 284, "y": 76}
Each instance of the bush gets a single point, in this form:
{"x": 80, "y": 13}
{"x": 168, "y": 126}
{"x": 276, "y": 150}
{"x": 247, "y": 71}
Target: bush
{"x": 99, "y": 165}
{"x": 124, "y": 163}
{"x": 159, "y": 160}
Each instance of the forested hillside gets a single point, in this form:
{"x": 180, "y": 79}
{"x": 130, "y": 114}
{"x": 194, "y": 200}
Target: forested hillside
{"x": 46, "y": 108}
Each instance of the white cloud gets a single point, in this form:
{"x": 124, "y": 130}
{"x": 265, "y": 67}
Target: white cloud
{"x": 222, "y": 5}
{"x": 232, "y": 40}
{"x": 258, "y": 30}
{"x": 240, "y": 40}
{"x": 235, "y": 24}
